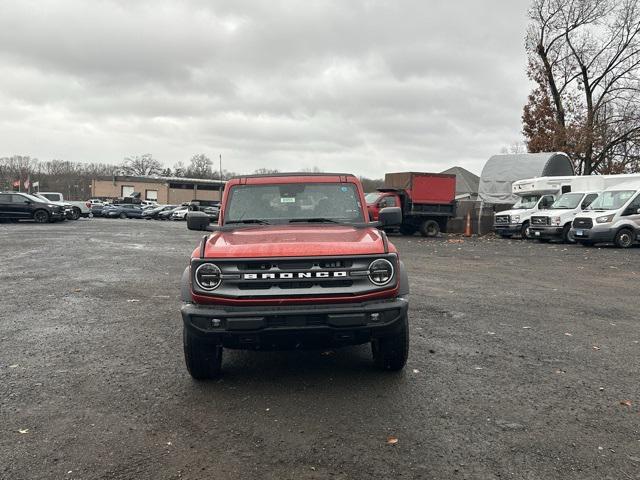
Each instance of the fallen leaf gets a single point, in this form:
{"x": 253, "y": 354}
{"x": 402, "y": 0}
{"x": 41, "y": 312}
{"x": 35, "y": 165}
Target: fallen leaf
{"x": 526, "y": 328}
{"x": 491, "y": 333}
{"x": 78, "y": 290}
{"x": 23, "y": 430}
{"x": 391, "y": 440}
{"x": 560, "y": 371}
{"x": 626, "y": 403}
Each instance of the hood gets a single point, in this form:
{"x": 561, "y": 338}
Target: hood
{"x": 519, "y": 211}
{"x": 294, "y": 241}
{"x": 596, "y": 213}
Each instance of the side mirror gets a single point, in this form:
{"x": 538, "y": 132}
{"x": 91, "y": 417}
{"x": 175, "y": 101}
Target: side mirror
{"x": 638, "y": 211}
{"x": 198, "y": 221}
{"x": 390, "y": 216}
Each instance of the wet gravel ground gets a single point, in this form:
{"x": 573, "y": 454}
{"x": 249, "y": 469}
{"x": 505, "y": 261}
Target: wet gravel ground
{"x": 524, "y": 364}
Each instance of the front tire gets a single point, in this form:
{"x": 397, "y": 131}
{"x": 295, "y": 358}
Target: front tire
{"x": 624, "y": 238}
{"x": 391, "y": 353}
{"x": 75, "y": 213}
{"x": 567, "y": 237}
{"x": 430, "y": 228}
{"x": 203, "y": 359}
{"x": 41, "y": 216}
{"x": 122, "y": 215}
{"x": 524, "y": 232}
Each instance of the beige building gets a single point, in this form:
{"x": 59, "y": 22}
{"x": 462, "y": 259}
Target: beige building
{"x": 164, "y": 190}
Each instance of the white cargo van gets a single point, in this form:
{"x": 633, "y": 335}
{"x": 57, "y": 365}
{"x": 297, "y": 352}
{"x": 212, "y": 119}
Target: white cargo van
{"x": 555, "y": 223}
{"x": 536, "y": 195}
{"x": 614, "y": 217}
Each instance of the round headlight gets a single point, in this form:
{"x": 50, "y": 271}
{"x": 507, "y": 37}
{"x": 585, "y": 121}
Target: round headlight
{"x": 380, "y": 272}
{"x": 208, "y": 276}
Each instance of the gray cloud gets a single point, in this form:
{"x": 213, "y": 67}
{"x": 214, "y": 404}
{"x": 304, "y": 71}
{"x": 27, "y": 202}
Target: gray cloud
{"x": 365, "y": 86}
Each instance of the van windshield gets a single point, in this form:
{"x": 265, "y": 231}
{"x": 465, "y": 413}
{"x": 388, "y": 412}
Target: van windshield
{"x": 611, "y": 200}
{"x": 295, "y": 202}
{"x": 527, "y": 202}
{"x": 567, "y": 201}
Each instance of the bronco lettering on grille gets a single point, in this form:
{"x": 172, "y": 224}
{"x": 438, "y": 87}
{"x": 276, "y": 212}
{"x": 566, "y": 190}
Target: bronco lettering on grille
{"x": 292, "y": 275}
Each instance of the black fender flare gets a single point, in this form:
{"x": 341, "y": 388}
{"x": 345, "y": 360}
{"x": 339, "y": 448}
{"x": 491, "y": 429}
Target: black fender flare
{"x": 403, "y": 278}
{"x": 185, "y": 286}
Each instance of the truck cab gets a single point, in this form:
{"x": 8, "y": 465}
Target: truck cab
{"x": 614, "y": 217}
{"x": 555, "y": 223}
{"x": 376, "y": 201}
{"x": 293, "y": 262}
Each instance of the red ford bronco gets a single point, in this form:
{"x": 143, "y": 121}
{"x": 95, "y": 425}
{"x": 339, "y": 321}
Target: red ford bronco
{"x": 294, "y": 262}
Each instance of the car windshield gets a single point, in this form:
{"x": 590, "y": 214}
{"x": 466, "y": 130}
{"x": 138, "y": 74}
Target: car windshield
{"x": 294, "y": 202}
{"x": 527, "y": 202}
{"x": 611, "y": 200}
{"x": 33, "y": 198}
{"x": 372, "y": 197}
{"x": 568, "y": 201}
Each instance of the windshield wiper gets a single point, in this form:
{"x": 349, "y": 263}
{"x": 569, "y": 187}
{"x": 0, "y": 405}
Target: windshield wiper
{"x": 248, "y": 220}
{"x": 313, "y": 220}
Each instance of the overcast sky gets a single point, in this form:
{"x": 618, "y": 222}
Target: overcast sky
{"x": 363, "y": 86}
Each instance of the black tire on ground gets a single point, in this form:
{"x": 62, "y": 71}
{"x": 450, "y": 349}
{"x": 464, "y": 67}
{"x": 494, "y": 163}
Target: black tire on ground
{"x": 390, "y": 353}
{"x": 203, "y": 359}
{"x": 624, "y": 238}
{"x": 41, "y": 216}
{"x": 524, "y": 232}
{"x": 408, "y": 229}
{"x": 586, "y": 243}
{"x": 122, "y": 215}
{"x": 567, "y": 237}
{"x": 75, "y": 213}
{"x": 429, "y": 228}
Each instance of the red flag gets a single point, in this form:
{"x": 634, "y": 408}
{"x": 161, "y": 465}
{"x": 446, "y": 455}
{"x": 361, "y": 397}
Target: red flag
{"x": 16, "y": 184}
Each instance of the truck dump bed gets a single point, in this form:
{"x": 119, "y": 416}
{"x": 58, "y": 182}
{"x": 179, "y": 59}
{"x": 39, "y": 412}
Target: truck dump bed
{"x": 424, "y": 188}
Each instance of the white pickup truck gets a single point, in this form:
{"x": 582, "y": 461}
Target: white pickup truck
{"x": 78, "y": 209}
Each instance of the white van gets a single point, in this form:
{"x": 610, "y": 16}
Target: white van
{"x": 555, "y": 223}
{"x": 536, "y": 195}
{"x": 614, "y": 217}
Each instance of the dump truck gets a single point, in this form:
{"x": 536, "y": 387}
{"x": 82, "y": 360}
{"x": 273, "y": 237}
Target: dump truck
{"x": 427, "y": 201}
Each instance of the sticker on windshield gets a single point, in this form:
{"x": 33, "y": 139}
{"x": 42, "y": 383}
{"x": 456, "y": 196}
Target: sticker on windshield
{"x": 287, "y": 199}
{"x": 344, "y": 189}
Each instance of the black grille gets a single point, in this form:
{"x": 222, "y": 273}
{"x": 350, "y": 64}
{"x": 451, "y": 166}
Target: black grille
{"x": 539, "y": 220}
{"x": 583, "y": 223}
{"x": 502, "y": 219}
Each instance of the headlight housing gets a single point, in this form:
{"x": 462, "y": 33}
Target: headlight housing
{"x": 381, "y": 272}
{"x": 605, "y": 219}
{"x": 555, "y": 221}
{"x": 515, "y": 219}
{"x": 208, "y": 276}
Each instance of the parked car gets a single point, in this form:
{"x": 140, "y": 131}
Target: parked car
{"x": 180, "y": 213}
{"x": 556, "y": 222}
{"x": 152, "y": 213}
{"x": 79, "y": 209}
{"x": 22, "y": 206}
{"x": 123, "y": 210}
{"x": 68, "y": 208}
{"x": 613, "y": 217}
{"x": 97, "y": 208}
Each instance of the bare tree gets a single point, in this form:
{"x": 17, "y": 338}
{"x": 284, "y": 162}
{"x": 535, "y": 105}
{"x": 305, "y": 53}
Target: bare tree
{"x": 585, "y": 54}
{"x": 142, "y": 165}
{"x": 200, "y": 166}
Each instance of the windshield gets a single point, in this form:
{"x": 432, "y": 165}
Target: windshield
{"x": 568, "y": 201}
{"x": 527, "y": 202}
{"x": 611, "y": 200}
{"x": 33, "y": 198}
{"x": 372, "y": 197}
{"x": 294, "y": 202}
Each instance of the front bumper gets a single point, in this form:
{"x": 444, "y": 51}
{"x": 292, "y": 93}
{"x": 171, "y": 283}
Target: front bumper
{"x": 510, "y": 229}
{"x": 545, "y": 232}
{"x": 287, "y": 327}
{"x": 594, "y": 235}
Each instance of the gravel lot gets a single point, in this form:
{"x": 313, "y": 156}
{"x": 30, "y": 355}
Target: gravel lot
{"x": 521, "y": 356}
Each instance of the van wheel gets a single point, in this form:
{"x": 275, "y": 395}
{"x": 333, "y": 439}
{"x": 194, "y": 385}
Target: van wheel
{"x": 390, "y": 353}
{"x": 429, "y": 228}
{"x": 41, "y": 216}
{"x": 203, "y": 359}
{"x": 624, "y": 238}
{"x": 524, "y": 232}
{"x": 567, "y": 236}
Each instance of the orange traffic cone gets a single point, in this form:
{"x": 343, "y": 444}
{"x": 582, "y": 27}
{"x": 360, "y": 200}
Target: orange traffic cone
{"x": 467, "y": 227}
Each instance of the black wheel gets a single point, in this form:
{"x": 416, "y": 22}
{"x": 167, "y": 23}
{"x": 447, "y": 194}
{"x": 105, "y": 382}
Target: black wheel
{"x": 567, "y": 236}
{"x": 408, "y": 229}
{"x": 390, "y": 353}
{"x": 524, "y": 231}
{"x": 41, "y": 216}
{"x": 75, "y": 213}
{"x": 122, "y": 215}
{"x": 429, "y": 228}
{"x": 624, "y": 238}
{"x": 203, "y": 359}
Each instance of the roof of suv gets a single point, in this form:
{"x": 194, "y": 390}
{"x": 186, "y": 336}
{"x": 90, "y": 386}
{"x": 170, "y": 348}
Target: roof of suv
{"x": 294, "y": 174}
